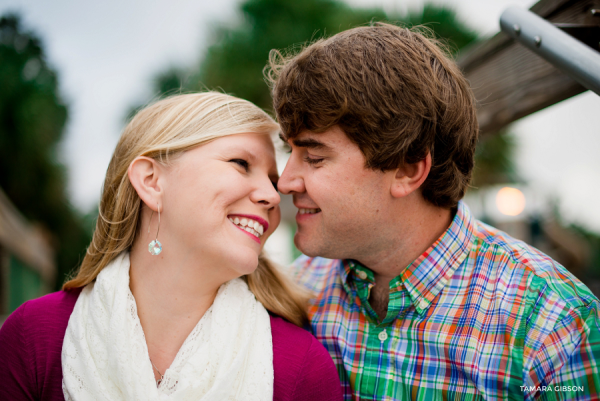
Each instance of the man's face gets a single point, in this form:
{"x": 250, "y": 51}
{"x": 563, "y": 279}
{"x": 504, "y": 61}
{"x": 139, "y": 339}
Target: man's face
{"x": 342, "y": 204}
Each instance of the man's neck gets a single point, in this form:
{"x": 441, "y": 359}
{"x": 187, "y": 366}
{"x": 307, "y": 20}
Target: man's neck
{"x": 419, "y": 230}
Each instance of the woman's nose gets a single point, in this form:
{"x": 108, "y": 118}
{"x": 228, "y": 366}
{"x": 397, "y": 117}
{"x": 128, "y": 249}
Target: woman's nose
{"x": 266, "y": 194}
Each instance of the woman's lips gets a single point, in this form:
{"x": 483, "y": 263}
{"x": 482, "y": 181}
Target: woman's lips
{"x": 252, "y": 225}
{"x": 254, "y": 237}
{"x": 259, "y": 219}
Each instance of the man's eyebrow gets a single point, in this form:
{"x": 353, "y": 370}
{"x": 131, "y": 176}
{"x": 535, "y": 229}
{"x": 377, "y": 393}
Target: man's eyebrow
{"x": 309, "y": 143}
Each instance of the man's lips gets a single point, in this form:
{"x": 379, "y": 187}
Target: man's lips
{"x": 302, "y": 209}
{"x": 306, "y": 213}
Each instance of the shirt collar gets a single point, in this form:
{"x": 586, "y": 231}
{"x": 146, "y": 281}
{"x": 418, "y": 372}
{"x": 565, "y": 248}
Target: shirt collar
{"x": 349, "y": 268}
{"x": 426, "y": 276}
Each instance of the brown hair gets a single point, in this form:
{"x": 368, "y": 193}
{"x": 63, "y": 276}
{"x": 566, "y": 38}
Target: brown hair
{"x": 163, "y": 131}
{"x": 396, "y": 95}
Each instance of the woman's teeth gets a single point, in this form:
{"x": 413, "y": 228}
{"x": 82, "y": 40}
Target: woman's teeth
{"x": 308, "y": 211}
{"x": 249, "y": 225}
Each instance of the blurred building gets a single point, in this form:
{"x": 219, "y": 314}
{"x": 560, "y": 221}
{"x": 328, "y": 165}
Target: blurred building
{"x": 27, "y": 267}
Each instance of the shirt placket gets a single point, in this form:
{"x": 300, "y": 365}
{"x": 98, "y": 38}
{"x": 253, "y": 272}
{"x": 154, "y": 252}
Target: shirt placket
{"x": 377, "y": 373}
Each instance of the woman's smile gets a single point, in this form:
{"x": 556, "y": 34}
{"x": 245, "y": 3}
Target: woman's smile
{"x": 253, "y": 225}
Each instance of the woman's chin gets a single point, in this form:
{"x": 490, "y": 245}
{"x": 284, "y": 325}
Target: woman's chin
{"x": 244, "y": 262}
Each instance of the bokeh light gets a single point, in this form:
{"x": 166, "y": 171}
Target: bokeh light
{"x": 510, "y": 201}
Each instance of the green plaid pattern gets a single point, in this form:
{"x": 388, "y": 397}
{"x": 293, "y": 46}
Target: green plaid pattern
{"x": 478, "y": 316}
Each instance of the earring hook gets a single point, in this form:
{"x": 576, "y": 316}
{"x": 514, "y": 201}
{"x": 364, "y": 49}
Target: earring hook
{"x": 155, "y": 247}
{"x": 152, "y": 214}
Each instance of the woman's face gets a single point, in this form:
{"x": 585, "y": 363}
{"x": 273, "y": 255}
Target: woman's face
{"x": 220, "y": 201}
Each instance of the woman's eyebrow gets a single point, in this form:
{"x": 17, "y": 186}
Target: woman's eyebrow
{"x": 237, "y": 148}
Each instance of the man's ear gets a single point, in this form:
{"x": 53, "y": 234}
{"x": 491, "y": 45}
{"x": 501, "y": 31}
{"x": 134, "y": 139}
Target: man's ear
{"x": 143, "y": 173}
{"x": 410, "y": 177}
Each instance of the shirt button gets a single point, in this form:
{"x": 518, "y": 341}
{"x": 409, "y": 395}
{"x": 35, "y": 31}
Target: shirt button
{"x": 362, "y": 275}
{"x": 382, "y": 336}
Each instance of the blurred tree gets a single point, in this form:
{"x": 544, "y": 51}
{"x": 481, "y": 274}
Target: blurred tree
{"x": 235, "y": 61}
{"x": 32, "y": 120}
{"x": 495, "y": 160}
{"x": 169, "y": 82}
{"x": 446, "y": 25}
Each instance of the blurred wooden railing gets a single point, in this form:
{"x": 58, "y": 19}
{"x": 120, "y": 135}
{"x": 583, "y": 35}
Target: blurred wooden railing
{"x": 510, "y": 81}
{"x": 21, "y": 240}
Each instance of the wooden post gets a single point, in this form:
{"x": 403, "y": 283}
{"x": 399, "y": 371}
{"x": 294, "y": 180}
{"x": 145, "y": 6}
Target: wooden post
{"x": 25, "y": 242}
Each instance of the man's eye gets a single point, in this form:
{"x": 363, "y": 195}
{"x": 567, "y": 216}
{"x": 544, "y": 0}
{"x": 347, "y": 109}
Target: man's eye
{"x": 312, "y": 161}
{"x": 245, "y": 165}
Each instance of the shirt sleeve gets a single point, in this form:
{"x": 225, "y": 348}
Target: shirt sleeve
{"x": 570, "y": 356}
{"x": 318, "y": 379}
{"x": 16, "y": 365}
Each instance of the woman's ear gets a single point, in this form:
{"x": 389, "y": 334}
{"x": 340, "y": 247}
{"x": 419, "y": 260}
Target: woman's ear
{"x": 143, "y": 173}
{"x": 410, "y": 177}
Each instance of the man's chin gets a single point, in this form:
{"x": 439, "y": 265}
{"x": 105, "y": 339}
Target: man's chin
{"x": 313, "y": 246}
{"x": 308, "y": 246}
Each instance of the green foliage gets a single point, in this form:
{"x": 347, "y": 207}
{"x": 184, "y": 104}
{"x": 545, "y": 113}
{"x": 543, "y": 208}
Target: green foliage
{"x": 494, "y": 160}
{"x": 446, "y": 25}
{"x": 170, "y": 81}
{"x": 32, "y": 120}
{"x": 235, "y": 60}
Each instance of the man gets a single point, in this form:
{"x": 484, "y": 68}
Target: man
{"x": 415, "y": 299}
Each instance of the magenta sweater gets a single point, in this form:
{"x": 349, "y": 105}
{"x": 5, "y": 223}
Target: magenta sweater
{"x": 31, "y": 343}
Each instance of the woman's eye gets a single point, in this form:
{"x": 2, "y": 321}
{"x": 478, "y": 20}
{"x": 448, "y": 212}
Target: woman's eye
{"x": 312, "y": 161}
{"x": 243, "y": 163}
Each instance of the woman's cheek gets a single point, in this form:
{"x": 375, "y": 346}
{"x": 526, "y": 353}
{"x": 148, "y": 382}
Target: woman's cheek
{"x": 274, "y": 220}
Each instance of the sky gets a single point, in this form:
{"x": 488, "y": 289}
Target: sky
{"x": 107, "y": 53}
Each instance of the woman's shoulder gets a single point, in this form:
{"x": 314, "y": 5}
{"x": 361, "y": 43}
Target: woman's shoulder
{"x": 46, "y": 313}
{"x": 51, "y": 310}
{"x": 303, "y": 368}
{"x": 40, "y": 323}
{"x": 282, "y": 330}
{"x": 31, "y": 339}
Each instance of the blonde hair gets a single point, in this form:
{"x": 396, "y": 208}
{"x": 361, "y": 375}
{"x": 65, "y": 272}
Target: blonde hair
{"x": 163, "y": 131}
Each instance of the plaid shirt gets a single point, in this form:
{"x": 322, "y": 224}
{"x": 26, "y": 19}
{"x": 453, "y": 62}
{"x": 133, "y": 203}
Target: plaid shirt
{"x": 479, "y": 315}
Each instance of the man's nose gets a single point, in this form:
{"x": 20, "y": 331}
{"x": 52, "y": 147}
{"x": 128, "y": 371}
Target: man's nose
{"x": 291, "y": 180}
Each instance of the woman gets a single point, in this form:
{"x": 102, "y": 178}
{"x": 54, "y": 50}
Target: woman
{"x": 171, "y": 299}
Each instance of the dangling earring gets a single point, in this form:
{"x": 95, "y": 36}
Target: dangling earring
{"x": 155, "y": 247}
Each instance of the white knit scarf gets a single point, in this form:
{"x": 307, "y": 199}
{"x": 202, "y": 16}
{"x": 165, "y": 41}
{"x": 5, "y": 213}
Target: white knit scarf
{"x": 227, "y": 356}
